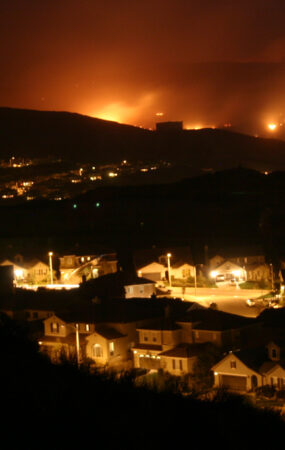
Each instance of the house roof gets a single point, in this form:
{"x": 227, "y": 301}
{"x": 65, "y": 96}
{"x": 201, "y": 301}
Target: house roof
{"x": 108, "y": 332}
{"x": 70, "y": 339}
{"x": 148, "y": 347}
{"x": 163, "y": 324}
{"x": 185, "y": 350}
{"x": 112, "y": 284}
{"x": 253, "y": 358}
{"x": 210, "y": 319}
{"x": 146, "y": 256}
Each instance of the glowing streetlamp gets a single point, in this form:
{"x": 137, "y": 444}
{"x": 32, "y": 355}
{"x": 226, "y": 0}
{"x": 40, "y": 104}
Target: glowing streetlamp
{"x": 168, "y": 263}
{"x": 50, "y": 254}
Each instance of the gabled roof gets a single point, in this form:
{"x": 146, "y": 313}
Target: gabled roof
{"x": 108, "y": 332}
{"x": 146, "y": 256}
{"x": 163, "y": 324}
{"x": 185, "y": 350}
{"x": 148, "y": 347}
{"x": 210, "y": 319}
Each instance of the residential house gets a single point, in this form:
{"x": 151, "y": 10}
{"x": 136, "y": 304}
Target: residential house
{"x": 247, "y": 370}
{"x": 109, "y": 347}
{"x": 76, "y": 268}
{"x": 241, "y": 264}
{"x": 174, "y": 345}
{"x": 33, "y": 271}
{"x": 60, "y": 335}
{"x": 240, "y": 256}
{"x": 20, "y": 272}
{"x": 37, "y": 272}
{"x": 258, "y": 272}
{"x": 120, "y": 285}
{"x": 228, "y": 271}
{"x": 153, "y": 263}
{"x": 153, "y": 271}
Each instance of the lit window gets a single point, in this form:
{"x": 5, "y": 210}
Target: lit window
{"x": 54, "y": 327}
{"x": 97, "y": 351}
{"x": 87, "y": 327}
{"x": 111, "y": 348}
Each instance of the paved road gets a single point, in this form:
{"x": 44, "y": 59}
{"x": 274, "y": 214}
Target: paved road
{"x": 230, "y": 300}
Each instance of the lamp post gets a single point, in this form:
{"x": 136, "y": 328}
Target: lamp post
{"x": 50, "y": 254}
{"x": 168, "y": 263}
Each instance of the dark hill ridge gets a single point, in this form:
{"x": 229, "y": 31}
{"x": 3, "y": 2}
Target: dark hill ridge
{"x": 73, "y": 136}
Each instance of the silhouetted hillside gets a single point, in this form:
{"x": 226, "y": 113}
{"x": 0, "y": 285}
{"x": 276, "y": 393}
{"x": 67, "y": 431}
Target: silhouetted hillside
{"x": 81, "y": 138}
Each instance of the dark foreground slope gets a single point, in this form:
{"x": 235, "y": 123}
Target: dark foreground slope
{"x": 56, "y": 407}
{"x": 40, "y": 133}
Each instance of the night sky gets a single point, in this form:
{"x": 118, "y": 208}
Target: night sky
{"x": 205, "y": 62}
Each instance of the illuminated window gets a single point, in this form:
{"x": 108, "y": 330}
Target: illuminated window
{"x": 233, "y": 364}
{"x": 111, "y": 348}
{"x": 54, "y": 327}
{"x": 87, "y": 327}
{"x": 97, "y": 351}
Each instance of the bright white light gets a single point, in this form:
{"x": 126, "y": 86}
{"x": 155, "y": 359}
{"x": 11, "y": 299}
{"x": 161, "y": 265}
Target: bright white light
{"x": 214, "y": 273}
{"x": 19, "y": 273}
{"x": 236, "y": 273}
{"x": 272, "y": 126}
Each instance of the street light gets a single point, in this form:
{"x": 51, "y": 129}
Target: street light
{"x": 50, "y": 254}
{"x": 168, "y": 262}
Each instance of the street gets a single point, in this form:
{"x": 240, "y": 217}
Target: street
{"x": 230, "y": 299}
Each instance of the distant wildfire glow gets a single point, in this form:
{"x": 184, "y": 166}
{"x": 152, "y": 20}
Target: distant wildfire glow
{"x": 272, "y": 126}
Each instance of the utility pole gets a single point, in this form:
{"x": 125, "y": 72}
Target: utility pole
{"x": 77, "y": 344}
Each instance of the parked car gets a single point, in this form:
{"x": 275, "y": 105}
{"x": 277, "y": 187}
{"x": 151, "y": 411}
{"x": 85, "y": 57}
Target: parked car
{"x": 250, "y": 302}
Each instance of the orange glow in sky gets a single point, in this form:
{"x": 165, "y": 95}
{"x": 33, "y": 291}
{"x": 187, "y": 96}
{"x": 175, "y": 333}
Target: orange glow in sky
{"x": 272, "y": 126}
